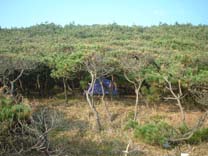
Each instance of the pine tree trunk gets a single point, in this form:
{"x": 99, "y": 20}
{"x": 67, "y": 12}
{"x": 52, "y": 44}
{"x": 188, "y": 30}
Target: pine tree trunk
{"x": 183, "y": 119}
{"x": 65, "y": 91}
{"x": 136, "y": 104}
{"x": 91, "y": 102}
{"x": 104, "y": 102}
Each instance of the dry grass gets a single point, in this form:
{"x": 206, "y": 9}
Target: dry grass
{"x": 80, "y": 139}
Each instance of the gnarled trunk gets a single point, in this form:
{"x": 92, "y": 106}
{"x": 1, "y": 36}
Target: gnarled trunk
{"x": 65, "y": 90}
{"x": 13, "y": 82}
{"x": 104, "y": 102}
{"x": 90, "y": 101}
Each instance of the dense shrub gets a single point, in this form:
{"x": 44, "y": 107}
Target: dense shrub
{"x": 199, "y": 136}
{"x": 154, "y": 133}
{"x": 152, "y": 94}
{"x": 12, "y": 112}
{"x": 181, "y": 49}
{"x": 158, "y": 132}
{"x": 131, "y": 123}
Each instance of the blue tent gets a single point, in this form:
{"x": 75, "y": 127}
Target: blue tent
{"x": 107, "y": 87}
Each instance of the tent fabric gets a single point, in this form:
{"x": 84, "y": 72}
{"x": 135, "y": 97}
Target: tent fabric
{"x": 107, "y": 87}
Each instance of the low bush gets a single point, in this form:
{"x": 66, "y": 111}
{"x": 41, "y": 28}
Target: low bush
{"x": 199, "y": 136}
{"x": 131, "y": 124}
{"x": 158, "y": 132}
{"x": 11, "y": 112}
{"x": 183, "y": 128}
{"x": 152, "y": 94}
{"x": 155, "y": 133}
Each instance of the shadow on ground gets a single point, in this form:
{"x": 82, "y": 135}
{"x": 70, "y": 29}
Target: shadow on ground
{"x": 78, "y": 139}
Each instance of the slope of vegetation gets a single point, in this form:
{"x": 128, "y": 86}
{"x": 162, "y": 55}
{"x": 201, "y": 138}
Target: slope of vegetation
{"x": 157, "y": 64}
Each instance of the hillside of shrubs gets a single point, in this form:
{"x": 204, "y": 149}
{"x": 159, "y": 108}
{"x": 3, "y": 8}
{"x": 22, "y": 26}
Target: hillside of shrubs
{"x": 157, "y": 64}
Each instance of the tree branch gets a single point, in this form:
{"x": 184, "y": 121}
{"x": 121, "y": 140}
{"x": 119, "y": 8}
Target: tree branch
{"x": 13, "y": 81}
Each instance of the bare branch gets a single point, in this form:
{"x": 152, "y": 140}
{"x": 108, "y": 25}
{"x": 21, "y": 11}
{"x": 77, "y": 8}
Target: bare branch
{"x": 175, "y": 97}
{"x": 127, "y": 78}
{"x": 169, "y": 98}
{"x": 13, "y": 81}
{"x": 179, "y": 87}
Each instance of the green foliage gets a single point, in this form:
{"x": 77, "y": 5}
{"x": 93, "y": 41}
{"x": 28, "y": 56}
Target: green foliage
{"x": 199, "y": 136}
{"x": 200, "y": 77}
{"x": 13, "y": 112}
{"x": 49, "y": 38}
{"x": 64, "y": 65}
{"x": 155, "y": 133}
{"x": 84, "y": 83}
{"x": 179, "y": 50}
{"x": 158, "y": 132}
{"x": 183, "y": 128}
{"x": 131, "y": 124}
{"x": 152, "y": 94}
